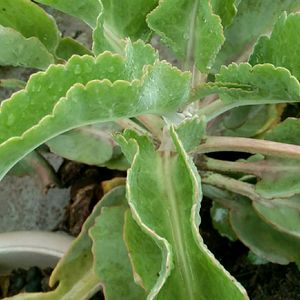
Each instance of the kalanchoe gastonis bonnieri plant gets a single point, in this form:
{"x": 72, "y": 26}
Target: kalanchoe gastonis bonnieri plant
{"x": 119, "y": 106}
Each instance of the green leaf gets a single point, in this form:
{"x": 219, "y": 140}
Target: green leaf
{"x": 268, "y": 84}
{"x": 253, "y": 18}
{"x": 281, "y": 48}
{"x": 119, "y": 20}
{"x": 111, "y": 258}
{"x": 170, "y": 215}
{"x": 226, "y": 9}
{"x": 16, "y": 50}
{"x": 68, "y": 47}
{"x": 92, "y": 145}
{"x": 75, "y": 273}
{"x": 140, "y": 246}
{"x": 190, "y": 29}
{"x": 279, "y": 176}
{"x": 30, "y": 21}
{"x": 12, "y": 83}
{"x": 220, "y": 219}
{"x": 87, "y": 10}
{"x": 276, "y": 247}
{"x": 249, "y": 121}
{"x": 190, "y": 132}
{"x": 283, "y": 214}
{"x": 286, "y": 132}
{"x": 259, "y": 235}
{"x": 84, "y": 91}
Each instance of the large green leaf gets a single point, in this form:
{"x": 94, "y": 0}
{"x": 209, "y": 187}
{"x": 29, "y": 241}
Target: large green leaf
{"x": 16, "y": 50}
{"x": 30, "y": 21}
{"x": 87, "y": 10}
{"x": 75, "y": 273}
{"x": 190, "y": 29}
{"x": 282, "y": 47}
{"x": 254, "y": 17}
{"x": 84, "y": 91}
{"x": 170, "y": 215}
{"x": 119, "y": 20}
{"x": 111, "y": 261}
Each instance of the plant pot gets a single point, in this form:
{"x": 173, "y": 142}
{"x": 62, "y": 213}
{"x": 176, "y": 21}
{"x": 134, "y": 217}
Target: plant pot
{"x": 24, "y": 249}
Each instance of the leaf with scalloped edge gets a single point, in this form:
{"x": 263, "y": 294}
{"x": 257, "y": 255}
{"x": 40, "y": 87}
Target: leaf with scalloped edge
{"x": 119, "y": 20}
{"x": 111, "y": 262}
{"x": 87, "y": 10}
{"x": 282, "y": 47}
{"x": 242, "y": 84}
{"x": 30, "y": 20}
{"x": 83, "y": 92}
{"x": 190, "y": 29}
{"x": 169, "y": 213}
{"x": 190, "y": 132}
{"x": 253, "y": 18}
{"x": 75, "y": 273}
{"x": 16, "y": 50}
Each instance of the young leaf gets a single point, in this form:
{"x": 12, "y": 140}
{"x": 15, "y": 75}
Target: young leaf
{"x": 253, "y": 18}
{"x": 119, "y": 20}
{"x": 141, "y": 245}
{"x": 190, "y": 132}
{"x": 282, "y": 47}
{"x": 87, "y": 10}
{"x": 74, "y": 284}
{"x": 30, "y": 21}
{"x": 111, "y": 261}
{"x": 78, "y": 95}
{"x": 170, "y": 215}
{"x": 16, "y": 50}
{"x": 190, "y": 29}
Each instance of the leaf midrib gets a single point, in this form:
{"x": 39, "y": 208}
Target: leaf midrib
{"x": 176, "y": 226}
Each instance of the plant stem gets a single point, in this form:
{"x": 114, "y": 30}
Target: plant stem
{"x": 129, "y": 124}
{"x": 153, "y": 123}
{"x": 215, "y": 109}
{"x": 238, "y": 144}
{"x": 254, "y": 168}
{"x": 230, "y": 184}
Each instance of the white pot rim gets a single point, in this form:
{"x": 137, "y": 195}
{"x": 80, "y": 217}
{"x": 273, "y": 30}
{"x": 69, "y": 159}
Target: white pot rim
{"x": 24, "y": 249}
